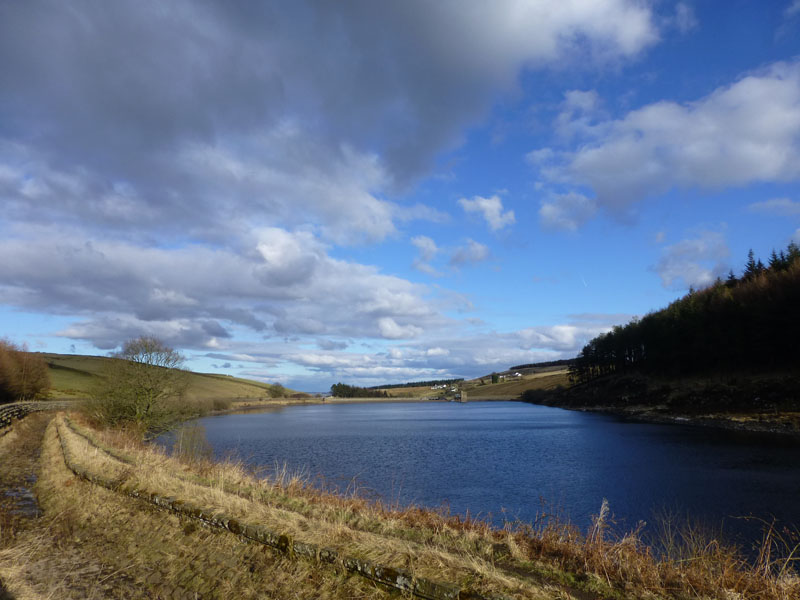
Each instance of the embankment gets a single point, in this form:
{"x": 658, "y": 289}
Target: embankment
{"x": 120, "y": 515}
{"x": 768, "y": 403}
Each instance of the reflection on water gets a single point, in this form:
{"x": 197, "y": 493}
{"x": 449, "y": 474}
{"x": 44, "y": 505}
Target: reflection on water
{"x": 501, "y": 459}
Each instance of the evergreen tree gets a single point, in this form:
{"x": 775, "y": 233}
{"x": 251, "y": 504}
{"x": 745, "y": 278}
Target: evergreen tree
{"x": 750, "y": 268}
{"x": 774, "y": 261}
{"x": 792, "y": 253}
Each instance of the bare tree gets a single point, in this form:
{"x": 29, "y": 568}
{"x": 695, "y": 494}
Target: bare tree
{"x": 143, "y": 385}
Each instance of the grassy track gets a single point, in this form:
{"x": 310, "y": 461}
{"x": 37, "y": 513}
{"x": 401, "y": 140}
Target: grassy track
{"x": 96, "y": 541}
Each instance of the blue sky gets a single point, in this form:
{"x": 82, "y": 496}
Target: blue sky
{"x": 314, "y": 192}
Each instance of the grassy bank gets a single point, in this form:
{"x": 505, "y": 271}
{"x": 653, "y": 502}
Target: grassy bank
{"x": 767, "y": 402}
{"x": 547, "y": 559}
{"x": 72, "y": 377}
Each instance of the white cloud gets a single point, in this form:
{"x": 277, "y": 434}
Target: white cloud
{"x": 743, "y": 133}
{"x": 426, "y": 246}
{"x": 390, "y": 329}
{"x": 693, "y": 262}
{"x": 472, "y": 252}
{"x": 793, "y": 9}
{"x": 286, "y": 283}
{"x": 567, "y": 211}
{"x": 491, "y": 209}
{"x": 258, "y": 136}
{"x": 427, "y": 252}
{"x": 579, "y": 111}
{"x": 783, "y": 207}
{"x": 685, "y": 19}
{"x": 437, "y": 352}
{"x": 310, "y": 127}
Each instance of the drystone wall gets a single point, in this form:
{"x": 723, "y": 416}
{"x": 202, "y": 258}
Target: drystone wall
{"x": 18, "y": 410}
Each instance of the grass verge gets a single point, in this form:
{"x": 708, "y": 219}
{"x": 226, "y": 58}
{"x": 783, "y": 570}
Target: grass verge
{"x": 545, "y": 559}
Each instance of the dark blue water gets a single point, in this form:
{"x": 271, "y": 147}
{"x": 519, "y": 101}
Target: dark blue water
{"x": 500, "y": 459}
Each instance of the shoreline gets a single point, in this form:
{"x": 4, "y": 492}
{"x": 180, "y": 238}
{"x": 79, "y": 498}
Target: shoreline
{"x": 786, "y": 424}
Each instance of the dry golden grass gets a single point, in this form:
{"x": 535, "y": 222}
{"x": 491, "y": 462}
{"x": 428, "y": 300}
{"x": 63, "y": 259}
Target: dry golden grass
{"x": 516, "y": 560}
{"x": 513, "y": 388}
{"x": 96, "y": 543}
{"x": 422, "y": 560}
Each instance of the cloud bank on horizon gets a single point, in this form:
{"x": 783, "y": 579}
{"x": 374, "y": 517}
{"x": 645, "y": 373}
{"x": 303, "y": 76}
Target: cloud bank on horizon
{"x": 309, "y": 192}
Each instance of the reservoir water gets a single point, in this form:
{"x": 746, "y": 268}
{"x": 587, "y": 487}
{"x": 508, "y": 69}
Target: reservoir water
{"x": 501, "y": 460}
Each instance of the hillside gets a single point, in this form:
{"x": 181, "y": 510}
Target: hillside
{"x": 72, "y": 376}
{"x": 509, "y": 385}
{"x": 724, "y": 355}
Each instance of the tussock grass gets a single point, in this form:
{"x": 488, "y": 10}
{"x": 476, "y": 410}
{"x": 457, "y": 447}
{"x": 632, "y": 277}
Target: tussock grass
{"x": 423, "y": 560}
{"x": 548, "y": 556}
{"x": 101, "y": 544}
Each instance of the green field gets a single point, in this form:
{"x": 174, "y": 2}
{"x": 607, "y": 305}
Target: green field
{"x": 72, "y": 377}
{"x": 509, "y": 387}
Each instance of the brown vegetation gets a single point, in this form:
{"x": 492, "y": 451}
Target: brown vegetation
{"x": 23, "y": 374}
{"x": 94, "y": 542}
{"x": 543, "y": 559}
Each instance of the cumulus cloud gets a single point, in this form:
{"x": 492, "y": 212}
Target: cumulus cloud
{"x": 742, "y": 133}
{"x": 286, "y": 284}
{"x": 470, "y": 253}
{"x": 783, "y": 207}
{"x": 212, "y": 153}
{"x": 391, "y": 330}
{"x": 579, "y": 111}
{"x": 567, "y": 211}
{"x": 693, "y": 262}
{"x": 465, "y": 356}
{"x": 491, "y": 209}
{"x": 427, "y": 252}
{"x": 325, "y": 344}
{"x": 218, "y": 114}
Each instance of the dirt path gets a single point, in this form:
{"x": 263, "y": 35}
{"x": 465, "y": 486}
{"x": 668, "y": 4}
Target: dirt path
{"x": 37, "y": 559}
{"x": 20, "y": 450}
{"x": 88, "y": 543}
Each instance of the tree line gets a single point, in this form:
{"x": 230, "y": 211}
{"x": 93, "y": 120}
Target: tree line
{"x": 23, "y": 375}
{"x": 746, "y": 322}
{"x": 342, "y": 390}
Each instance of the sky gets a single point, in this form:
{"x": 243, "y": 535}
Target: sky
{"x": 310, "y": 192}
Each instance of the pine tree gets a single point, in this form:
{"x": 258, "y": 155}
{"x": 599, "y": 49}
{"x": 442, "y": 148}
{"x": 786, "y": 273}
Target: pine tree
{"x": 774, "y": 261}
{"x": 750, "y": 268}
{"x": 792, "y": 253}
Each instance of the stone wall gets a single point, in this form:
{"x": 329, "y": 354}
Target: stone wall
{"x": 18, "y": 410}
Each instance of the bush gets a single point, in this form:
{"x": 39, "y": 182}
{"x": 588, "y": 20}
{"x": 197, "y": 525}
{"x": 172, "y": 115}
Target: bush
{"x": 276, "y": 390}
{"x": 23, "y": 375}
{"x": 221, "y": 403}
